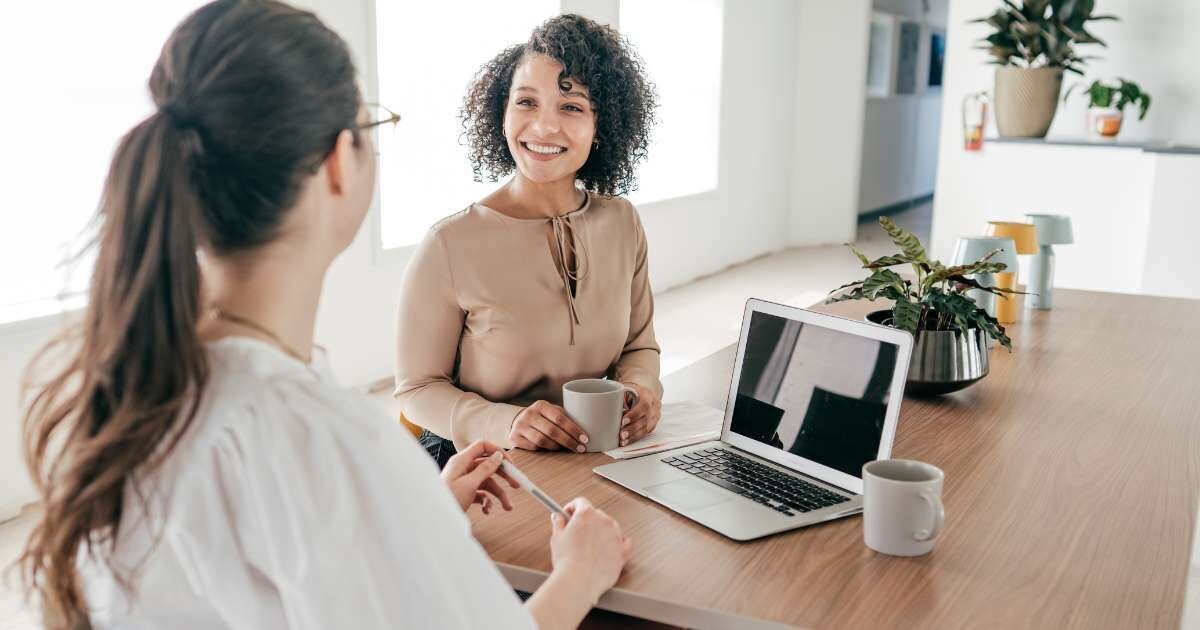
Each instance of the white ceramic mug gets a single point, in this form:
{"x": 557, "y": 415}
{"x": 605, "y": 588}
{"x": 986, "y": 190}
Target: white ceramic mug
{"x": 902, "y": 506}
{"x": 597, "y": 405}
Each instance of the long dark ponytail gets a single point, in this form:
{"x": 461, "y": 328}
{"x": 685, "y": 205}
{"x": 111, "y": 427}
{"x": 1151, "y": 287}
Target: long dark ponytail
{"x": 250, "y": 96}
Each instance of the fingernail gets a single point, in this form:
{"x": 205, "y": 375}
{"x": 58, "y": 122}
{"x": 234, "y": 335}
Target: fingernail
{"x": 583, "y": 438}
{"x": 625, "y": 421}
{"x": 580, "y": 449}
{"x": 624, "y": 435}
{"x": 497, "y": 456}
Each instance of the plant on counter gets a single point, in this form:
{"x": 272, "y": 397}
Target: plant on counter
{"x": 1118, "y": 97}
{"x": 936, "y": 300}
{"x": 1041, "y": 33}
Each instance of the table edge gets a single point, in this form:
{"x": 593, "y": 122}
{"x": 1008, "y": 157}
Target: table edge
{"x": 642, "y": 606}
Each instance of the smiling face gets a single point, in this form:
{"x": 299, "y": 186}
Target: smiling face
{"x": 549, "y": 125}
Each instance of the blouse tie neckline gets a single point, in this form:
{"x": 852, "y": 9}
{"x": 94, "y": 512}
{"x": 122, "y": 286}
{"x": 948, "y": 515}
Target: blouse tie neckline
{"x": 566, "y": 242}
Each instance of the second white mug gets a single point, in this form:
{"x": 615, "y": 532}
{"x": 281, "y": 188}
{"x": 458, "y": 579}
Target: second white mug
{"x": 902, "y": 506}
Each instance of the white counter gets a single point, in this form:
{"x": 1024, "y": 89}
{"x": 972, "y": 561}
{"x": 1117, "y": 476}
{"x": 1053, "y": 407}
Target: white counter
{"x": 1135, "y": 208}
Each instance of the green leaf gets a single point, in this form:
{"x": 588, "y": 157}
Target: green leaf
{"x": 972, "y": 283}
{"x": 865, "y": 261}
{"x": 981, "y": 266}
{"x": 908, "y": 243}
{"x": 856, "y": 294}
{"x": 1069, "y": 91}
{"x": 906, "y": 315}
{"x": 847, "y": 285}
{"x": 888, "y": 261}
{"x": 882, "y": 279}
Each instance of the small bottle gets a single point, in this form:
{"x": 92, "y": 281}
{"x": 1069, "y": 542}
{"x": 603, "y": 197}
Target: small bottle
{"x": 974, "y": 116}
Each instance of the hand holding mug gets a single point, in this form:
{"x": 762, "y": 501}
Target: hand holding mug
{"x": 642, "y": 417}
{"x": 599, "y": 406}
{"x": 546, "y": 426}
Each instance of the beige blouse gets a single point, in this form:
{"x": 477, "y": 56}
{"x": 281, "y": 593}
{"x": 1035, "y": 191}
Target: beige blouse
{"x": 489, "y": 323}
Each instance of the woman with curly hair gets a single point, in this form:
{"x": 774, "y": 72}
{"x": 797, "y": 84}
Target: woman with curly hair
{"x": 544, "y": 280}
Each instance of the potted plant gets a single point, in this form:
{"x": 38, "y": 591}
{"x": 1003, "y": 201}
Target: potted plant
{"x": 950, "y": 329}
{"x": 1033, "y": 43}
{"x": 1106, "y": 105}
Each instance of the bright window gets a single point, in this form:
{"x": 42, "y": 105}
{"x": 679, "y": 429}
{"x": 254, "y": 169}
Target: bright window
{"x": 427, "y": 54}
{"x": 76, "y": 82}
{"x": 680, "y": 41}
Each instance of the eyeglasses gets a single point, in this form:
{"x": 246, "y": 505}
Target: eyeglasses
{"x": 379, "y": 116}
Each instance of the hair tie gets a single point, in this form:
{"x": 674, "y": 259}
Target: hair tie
{"x": 179, "y": 116}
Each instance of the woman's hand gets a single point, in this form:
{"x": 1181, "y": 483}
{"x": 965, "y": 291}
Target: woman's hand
{"x": 590, "y": 546}
{"x": 544, "y": 425}
{"x": 641, "y": 419}
{"x": 471, "y": 475}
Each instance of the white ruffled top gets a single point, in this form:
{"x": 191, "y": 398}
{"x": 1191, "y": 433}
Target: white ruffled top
{"x": 294, "y": 503}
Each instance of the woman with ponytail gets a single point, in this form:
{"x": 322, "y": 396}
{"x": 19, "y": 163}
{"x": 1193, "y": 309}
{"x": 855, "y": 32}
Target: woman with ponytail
{"x": 197, "y": 464}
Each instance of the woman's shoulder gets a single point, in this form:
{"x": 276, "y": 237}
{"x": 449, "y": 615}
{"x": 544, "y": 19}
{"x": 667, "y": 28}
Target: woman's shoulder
{"x": 615, "y": 203}
{"x": 463, "y": 224}
{"x": 261, "y": 402}
{"x": 618, "y": 208}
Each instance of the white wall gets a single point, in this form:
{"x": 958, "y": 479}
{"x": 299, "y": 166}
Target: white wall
{"x": 1171, "y": 255}
{"x": 831, "y": 55}
{"x": 746, "y": 215}
{"x": 1154, "y": 43}
{"x": 20, "y": 341}
{"x": 1157, "y": 45}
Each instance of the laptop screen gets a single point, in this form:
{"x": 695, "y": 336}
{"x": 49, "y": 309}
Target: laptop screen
{"x": 814, "y": 391}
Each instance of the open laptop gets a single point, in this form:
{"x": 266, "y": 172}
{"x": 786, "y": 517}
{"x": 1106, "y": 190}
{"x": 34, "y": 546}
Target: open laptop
{"x": 813, "y": 397}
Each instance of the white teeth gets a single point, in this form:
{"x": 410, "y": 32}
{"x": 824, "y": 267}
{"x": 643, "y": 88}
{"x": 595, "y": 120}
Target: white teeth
{"x": 544, "y": 149}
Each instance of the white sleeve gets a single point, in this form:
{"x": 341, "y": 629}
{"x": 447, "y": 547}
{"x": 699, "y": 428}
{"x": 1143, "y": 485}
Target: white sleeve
{"x": 341, "y": 521}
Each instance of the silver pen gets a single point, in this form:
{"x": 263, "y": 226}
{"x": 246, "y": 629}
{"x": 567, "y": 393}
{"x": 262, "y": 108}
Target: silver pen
{"x": 537, "y": 493}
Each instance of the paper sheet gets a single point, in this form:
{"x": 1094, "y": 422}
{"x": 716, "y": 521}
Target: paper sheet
{"x": 682, "y": 423}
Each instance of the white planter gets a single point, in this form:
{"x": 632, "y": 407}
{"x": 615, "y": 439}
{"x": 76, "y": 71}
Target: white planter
{"x": 1104, "y": 122}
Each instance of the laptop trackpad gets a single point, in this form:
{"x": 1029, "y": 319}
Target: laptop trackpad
{"x": 688, "y": 494}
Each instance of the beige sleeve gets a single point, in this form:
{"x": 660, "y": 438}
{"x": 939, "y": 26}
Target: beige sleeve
{"x": 639, "y": 362}
{"x": 427, "y": 340}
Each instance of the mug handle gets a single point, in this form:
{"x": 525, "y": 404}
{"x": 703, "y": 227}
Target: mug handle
{"x": 938, "y": 513}
{"x": 631, "y": 397}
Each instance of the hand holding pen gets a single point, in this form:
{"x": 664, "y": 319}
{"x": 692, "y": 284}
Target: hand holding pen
{"x": 584, "y": 540}
{"x": 472, "y": 477}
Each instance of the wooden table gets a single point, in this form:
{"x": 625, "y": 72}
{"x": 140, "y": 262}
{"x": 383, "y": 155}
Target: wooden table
{"x": 1072, "y": 475}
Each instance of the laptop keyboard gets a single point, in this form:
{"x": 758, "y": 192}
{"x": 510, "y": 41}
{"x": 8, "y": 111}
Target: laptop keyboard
{"x": 741, "y": 475}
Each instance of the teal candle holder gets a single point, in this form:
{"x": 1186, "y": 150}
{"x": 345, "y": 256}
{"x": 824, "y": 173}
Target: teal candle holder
{"x": 1052, "y": 229}
{"x": 973, "y": 248}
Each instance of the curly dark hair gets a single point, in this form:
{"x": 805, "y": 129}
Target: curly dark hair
{"x": 622, "y": 97}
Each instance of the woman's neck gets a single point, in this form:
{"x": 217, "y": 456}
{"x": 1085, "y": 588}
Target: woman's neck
{"x": 277, "y": 290}
{"x": 526, "y": 199}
